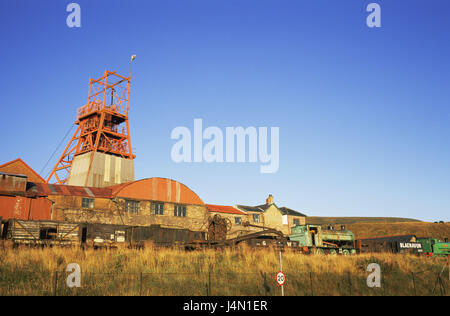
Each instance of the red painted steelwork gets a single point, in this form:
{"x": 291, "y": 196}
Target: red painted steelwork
{"x": 102, "y": 125}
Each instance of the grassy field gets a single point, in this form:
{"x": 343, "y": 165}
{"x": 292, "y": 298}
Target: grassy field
{"x": 319, "y": 220}
{"x": 364, "y": 227}
{"x": 420, "y": 229}
{"x": 243, "y": 271}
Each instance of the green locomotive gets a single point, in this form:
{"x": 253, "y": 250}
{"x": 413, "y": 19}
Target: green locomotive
{"x": 315, "y": 239}
{"x": 434, "y": 247}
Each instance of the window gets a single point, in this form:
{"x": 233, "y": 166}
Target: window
{"x": 179, "y": 211}
{"x": 158, "y": 208}
{"x": 296, "y": 222}
{"x": 256, "y": 218}
{"x": 47, "y": 233}
{"x": 132, "y": 206}
{"x": 238, "y": 221}
{"x": 87, "y": 203}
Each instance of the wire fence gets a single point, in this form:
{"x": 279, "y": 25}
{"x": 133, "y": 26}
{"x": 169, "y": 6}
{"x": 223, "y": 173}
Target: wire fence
{"x": 420, "y": 283}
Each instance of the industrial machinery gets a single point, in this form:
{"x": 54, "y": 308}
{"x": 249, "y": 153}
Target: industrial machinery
{"x": 315, "y": 239}
{"x": 265, "y": 237}
{"x": 218, "y": 227}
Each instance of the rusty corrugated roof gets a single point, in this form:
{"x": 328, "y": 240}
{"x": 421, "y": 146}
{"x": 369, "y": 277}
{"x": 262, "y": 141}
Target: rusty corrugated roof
{"x": 157, "y": 189}
{"x": 45, "y": 189}
{"x": 224, "y": 209}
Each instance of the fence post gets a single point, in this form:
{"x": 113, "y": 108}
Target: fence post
{"x": 350, "y": 282}
{"x": 209, "y": 280}
{"x": 56, "y": 283}
{"x": 281, "y": 269}
{"x": 448, "y": 267}
{"x": 310, "y": 278}
{"x": 414, "y": 283}
{"x": 140, "y": 285}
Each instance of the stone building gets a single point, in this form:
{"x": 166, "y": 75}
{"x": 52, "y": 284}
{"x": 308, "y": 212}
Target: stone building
{"x": 152, "y": 201}
{"x": 265, "y": 215}
{"x": 270, "y": 215}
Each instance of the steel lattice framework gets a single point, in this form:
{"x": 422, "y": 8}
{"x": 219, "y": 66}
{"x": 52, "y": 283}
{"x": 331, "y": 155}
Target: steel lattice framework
{"x": 102, "y": 124}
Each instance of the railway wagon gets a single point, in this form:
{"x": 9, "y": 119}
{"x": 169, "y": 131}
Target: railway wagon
{"x": 390, "y": 244}
{"x": 315, "y": 239}
{"x": 49, "y": 233}
{"x": 162, "y": 236}
{"x": 45, "y": 233}
{"x": 102, "y": 235}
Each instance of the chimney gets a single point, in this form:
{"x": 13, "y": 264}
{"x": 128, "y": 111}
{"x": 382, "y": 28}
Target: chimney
{"x": 269, "y": 199}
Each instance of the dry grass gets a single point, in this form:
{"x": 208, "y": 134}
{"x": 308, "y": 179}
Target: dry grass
{"x": 420, "y": 229}
{"x": 321, "y": 220}
{"x": 244, "y": 271}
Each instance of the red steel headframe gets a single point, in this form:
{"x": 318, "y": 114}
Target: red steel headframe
{"x": 102, "y": 124}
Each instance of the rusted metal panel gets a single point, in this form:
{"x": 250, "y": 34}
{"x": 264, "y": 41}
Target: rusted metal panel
{"x": 25, "y": 208}
{"x": 386, "y": 245}
{"x": 162, "y": 235}
{"x": 12, "y": 184}
{"x": 103, "y": 234}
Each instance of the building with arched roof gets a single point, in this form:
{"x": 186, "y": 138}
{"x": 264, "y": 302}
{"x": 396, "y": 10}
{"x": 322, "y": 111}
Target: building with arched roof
{"x": 152, "y": 201}
{"x": 146, "y": 202}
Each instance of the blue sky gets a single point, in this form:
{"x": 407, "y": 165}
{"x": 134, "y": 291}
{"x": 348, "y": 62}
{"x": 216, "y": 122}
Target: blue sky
{"x": 363, "y": 112}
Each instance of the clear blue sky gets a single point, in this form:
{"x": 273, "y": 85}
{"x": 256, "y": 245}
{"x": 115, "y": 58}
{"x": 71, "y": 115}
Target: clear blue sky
{"x": 364, "y": 114}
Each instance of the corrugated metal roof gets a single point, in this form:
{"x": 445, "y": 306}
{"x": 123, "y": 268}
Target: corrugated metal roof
{"x": 157, "y": 189}
{"x": 224, "y": 209}
{"x": 45, "y": 189}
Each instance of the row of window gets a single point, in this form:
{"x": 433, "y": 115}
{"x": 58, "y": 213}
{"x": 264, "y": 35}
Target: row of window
{"x": 158, "y": 209}
{"x": 134, "y": 206}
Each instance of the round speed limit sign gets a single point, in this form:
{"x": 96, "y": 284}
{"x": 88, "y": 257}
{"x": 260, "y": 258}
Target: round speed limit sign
{"x": 281, "y": 278}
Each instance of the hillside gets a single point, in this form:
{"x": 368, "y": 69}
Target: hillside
{"x": 420, "y": 229}
{"x": 365, "y": 227}
{"x": 351, "y": 220}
